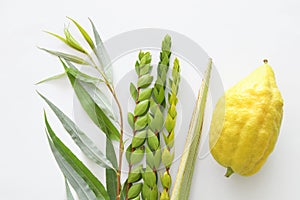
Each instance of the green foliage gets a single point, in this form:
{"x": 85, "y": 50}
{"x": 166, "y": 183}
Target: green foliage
{"x": 154, "y": 115}
{"x": 181, "y": 189}
{"x": 79, "y": 176}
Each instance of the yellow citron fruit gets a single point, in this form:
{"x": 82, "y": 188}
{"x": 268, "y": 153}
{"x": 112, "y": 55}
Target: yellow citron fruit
{"x": 246, "y": 123}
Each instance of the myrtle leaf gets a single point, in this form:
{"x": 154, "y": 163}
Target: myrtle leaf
{"x": 144, "y": 81}
{"x": 133, "y": 92}
{"x": 145, "y": 94}
{"x": 130, "y": 118}
{"x": 135, "y": 190}
{"x": 141, "y": 122}
{"x": 141, "y": 108}
{"x": 137, "y": 156}
{"x": 152, "y": 140}
{"x": 135, "y": 174}
{"x": 149, "y": 177}
{"x": 139, "y": 139}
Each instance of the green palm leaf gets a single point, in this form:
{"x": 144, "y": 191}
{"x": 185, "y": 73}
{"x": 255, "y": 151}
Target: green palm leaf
{"x": 185, "y": 172}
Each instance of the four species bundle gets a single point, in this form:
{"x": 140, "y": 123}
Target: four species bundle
{"x": 243, "y": 131}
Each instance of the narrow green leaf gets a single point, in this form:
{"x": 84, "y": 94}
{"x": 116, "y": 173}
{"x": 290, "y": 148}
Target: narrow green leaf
{"x": 73, "y": 167}
{"x": 77, "y": 182}
{"x": 55, "y": 77}
{"x": 84, "y": 34}
{"x": 68, "y": 191}
{"x": 72, "y": 42}
{"x": 102, "y": 55}
{"x": 111, "y": 175}
{"x": 67, "y": 57}
{"x": 84, "y": 77}
{"x": 57, "y": 36}
{"x": 86, "y": 145}
{"x": 95, "y": 93}
{"x": 184, "y": 176}
{"x": 96, "y": 113}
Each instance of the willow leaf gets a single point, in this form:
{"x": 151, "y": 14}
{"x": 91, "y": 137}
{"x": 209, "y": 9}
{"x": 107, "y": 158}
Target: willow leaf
{"x": 74, "y": 169}
{"x": 57, "y": 36}
{"x": 97, "y": 114}
{"x": 96, "y": 94}
{"x": 83, "y": 76}
{"x": 185, "y": 172}
{"x": 86, "y": 145}
{"x": 77, "y": 182}
{"x": 102, "y": 55}
{"x": 71, "y": 41}
{"x": 68, "y": 191}
{"x": 55, "y": 77}
{"x": 66, "y": 56}
{"x": 111, "y": 175}
{"x": 84, "y": 33}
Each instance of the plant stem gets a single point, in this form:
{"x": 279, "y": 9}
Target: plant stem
{"x": 121, "y": 145}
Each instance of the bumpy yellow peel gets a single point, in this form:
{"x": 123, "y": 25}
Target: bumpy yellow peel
{"x": 246, "y": 123}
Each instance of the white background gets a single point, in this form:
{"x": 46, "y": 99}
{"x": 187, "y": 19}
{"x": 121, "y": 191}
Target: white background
{"x": 238, "y": 35}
